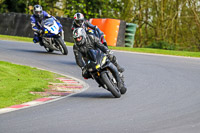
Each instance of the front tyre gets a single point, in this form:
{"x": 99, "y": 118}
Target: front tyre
{"x": 110, "y": 85}
{"x": 48, "y": 49}
{"x": 61, "y": 44}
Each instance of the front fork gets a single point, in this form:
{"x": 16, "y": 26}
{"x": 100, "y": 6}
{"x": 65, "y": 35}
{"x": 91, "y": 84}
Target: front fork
{"x": 114, "y": 71}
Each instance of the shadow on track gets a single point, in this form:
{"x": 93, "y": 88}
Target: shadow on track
{"x": 72, "y": 63}
{"x": 35, "y": 51}
{"x": 93, "y": 95}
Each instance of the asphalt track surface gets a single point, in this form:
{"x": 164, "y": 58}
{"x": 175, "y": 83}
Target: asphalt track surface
{"x": 163, "y": 96}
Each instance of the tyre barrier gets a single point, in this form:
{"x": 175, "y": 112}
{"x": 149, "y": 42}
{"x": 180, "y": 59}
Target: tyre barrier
{"x": 113, "y": 29}
{"x": 130, "y": 34}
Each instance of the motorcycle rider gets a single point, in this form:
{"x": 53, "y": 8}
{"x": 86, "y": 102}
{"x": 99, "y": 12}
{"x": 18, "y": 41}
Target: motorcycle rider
{"x": 36, "y": 19}
{"x": 80, "y": 22}
{"x": 84, "y": 42}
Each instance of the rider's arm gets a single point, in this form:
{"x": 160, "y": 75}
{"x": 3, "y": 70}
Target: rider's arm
{"x": 78, "y": 56}
{"x": 100, "y": 45}
{"x": 46, "y": 15}
{"x": 94, "y": 27}
{"x": 55, "y": 19}
{"x": 73, "y": 27}
{"x": 33, "y": 24}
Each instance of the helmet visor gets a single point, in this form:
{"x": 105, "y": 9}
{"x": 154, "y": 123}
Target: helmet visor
{"x": 79, "y": 22}
{"x": 38, "y": 13}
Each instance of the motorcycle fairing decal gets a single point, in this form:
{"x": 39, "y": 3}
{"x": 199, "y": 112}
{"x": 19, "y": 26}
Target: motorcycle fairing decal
{"x": 52, "y": 28}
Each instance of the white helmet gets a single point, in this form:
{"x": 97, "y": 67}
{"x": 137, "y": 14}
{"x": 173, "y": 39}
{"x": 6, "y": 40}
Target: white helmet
{"x": 38, "y": 11}
{"x": 79, "y": 36}
{"x": 79, "y": 19}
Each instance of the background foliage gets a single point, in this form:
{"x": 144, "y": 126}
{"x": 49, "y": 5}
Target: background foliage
{"x": 167, "y": 24}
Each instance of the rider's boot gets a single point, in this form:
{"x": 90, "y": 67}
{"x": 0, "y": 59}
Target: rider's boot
{"x": 40, "y": 41}
{"x": 114, "y": 61}
{"x": 120, "y": 85}
{"x": 119, "y": 68}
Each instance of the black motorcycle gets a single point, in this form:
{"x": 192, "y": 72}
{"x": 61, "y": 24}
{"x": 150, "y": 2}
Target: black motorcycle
{"x": 104, "y": 72}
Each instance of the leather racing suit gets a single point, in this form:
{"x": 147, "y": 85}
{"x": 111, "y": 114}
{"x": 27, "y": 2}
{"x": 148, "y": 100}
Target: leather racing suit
{"x": 80, "y": 52}
{"x": 37, "y": 27}
{"x": 86, "y": 24}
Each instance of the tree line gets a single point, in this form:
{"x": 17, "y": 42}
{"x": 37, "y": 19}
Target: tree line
{"x": 165, "y": 24}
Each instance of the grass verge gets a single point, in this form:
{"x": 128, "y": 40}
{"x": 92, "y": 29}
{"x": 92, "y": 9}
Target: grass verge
{"x": 24, "y": 39}
{"x": 142, "y": 50}
{"x": 16, "y": 81}
{"x": 158, "y": 51}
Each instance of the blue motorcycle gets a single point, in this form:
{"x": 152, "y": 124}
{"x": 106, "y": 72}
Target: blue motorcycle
{"x": 53, "y": 38}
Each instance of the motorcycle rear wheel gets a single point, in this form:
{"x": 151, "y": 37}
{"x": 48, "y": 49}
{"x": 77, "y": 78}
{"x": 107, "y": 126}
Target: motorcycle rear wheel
{"x": 111, "y": 87}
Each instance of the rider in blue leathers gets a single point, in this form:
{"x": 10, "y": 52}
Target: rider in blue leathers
{"x": 36, "y": 19}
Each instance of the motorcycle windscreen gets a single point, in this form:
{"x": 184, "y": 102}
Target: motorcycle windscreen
{"x": 92, "y": 55}
{"x": 95, "y": 55}
{"x": 48, "y": 22}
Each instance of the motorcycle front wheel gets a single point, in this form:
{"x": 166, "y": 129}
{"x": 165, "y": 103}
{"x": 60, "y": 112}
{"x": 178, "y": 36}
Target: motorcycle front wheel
{"x": 110, "y": 85}
{"x": 48, "y": 49}
{"x": 61, "y": 44}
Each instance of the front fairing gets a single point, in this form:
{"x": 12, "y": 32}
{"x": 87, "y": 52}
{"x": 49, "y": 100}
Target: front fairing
{"x": 96, "y": 60}
{"x": 51, "y": 27}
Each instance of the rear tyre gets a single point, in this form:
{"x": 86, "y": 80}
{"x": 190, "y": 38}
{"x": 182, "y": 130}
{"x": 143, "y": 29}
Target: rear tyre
{"x": 112, "y": 87}
{"x": 61, "y": 45}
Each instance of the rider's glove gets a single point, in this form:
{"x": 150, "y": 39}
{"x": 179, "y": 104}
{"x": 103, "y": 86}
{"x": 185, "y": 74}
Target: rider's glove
{"x": 40, "y": 31}
{"x": 109, "y": 52}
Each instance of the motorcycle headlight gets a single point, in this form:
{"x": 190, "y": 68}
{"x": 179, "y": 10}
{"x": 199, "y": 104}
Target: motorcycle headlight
{"x": 46, "y": 31}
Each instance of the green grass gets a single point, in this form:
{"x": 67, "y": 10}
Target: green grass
{"x": 142, "y": 50}
{"x": 16, "y": 81}
{"x": 24, "y": 39}
{"x": 158, "y": 51}
{"x": 16, "y": 38}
